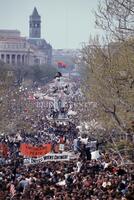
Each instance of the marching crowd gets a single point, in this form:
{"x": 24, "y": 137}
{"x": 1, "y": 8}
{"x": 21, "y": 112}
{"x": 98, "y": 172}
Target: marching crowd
{"x": 71, "y": 180}
{"x": 80, "y": 178}
{"x": 44, "y": 132}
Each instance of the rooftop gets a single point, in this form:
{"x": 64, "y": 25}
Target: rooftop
{"x": 9, "y": 33}
{"x": 35, "y": 13}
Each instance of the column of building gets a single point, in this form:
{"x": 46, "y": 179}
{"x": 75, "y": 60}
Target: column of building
{"x": 14, "y": 59}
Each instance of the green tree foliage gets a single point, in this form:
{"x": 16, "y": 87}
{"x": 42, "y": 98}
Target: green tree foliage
{"x": 42, "y": 73}
{"x": 7, "y": 78}
{"x": 111, "y": 81}
{"x": 109, "y": 72}
{"x": 38, "y": 73}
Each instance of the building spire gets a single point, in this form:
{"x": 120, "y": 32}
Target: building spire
{"x": 35, "y": 24}
{"x": 35, "y": 13}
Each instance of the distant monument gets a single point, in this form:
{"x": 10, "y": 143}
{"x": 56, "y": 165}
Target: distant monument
{"x": 35, "y": 25}
{"x": 35, "y": 35}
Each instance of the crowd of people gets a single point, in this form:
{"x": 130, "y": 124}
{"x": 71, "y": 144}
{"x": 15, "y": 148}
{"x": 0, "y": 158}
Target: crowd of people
{"x": 44, "y": 132}
{"x": 71, "y": 180}
{"x": 80, "y": 178}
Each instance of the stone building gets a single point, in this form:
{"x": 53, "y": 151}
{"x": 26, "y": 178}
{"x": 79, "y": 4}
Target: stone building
{"x": 14, "y": 49}
{"x": 17, "y": 50}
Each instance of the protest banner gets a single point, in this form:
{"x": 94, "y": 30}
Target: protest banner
{"x": 48, "y": 157}
{"x": 44, "y": 104}
{"x": 33, "y": 151}
{"x": 3, "y": 150}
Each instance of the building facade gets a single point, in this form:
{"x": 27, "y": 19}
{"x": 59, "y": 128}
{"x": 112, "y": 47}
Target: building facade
{"x": 14, "y": 49}
{"x": 17, "y": 50}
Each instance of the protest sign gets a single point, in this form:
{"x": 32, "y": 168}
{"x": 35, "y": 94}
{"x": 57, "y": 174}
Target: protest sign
{"x": 48, "y": 157}
{"x": 33, "y": 151}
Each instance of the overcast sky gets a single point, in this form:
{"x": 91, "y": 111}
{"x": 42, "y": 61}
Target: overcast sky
{"x": 65, "y": 23}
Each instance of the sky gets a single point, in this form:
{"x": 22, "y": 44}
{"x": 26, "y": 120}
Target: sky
{"x": 65, "y": 23}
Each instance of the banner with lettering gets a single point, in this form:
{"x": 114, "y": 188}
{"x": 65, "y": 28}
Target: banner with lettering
{"x": 34, "y": 151}
{"x": 49, "y": 157}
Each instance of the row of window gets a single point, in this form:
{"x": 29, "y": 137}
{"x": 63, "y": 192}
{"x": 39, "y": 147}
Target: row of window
{"x": 13, "y": 46}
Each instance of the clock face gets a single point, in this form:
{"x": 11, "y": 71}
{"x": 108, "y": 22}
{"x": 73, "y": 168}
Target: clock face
{"x": 36, "y": 25}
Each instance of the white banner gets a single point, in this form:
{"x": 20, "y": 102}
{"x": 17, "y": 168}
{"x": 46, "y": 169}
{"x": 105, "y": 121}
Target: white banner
{"x": 48, "y": 157}
{"x": 44, "y": 104}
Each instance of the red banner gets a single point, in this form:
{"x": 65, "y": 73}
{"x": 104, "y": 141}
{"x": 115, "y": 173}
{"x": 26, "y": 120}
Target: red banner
{"x": 3, "y": 150}
{"x": 33, "y": 151}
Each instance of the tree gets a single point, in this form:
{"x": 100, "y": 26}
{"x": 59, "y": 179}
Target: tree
{"x": 116, "y": 18}
{"x": 7, "y": 91}
{"x": 111, "y": 81}
{"x": 43, "y": 73}
{"x": 38, "y": 73}
{"x": 13, "y": 102}
{"x": 110, "y": 67}
{"x": 109, "y": 71}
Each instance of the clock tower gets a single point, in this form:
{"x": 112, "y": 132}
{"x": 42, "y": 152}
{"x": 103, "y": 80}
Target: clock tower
{"x": 35, "y": 25}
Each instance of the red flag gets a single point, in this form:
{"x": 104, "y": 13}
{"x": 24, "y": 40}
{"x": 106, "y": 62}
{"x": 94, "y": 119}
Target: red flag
{"x": 61, "y": 64}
